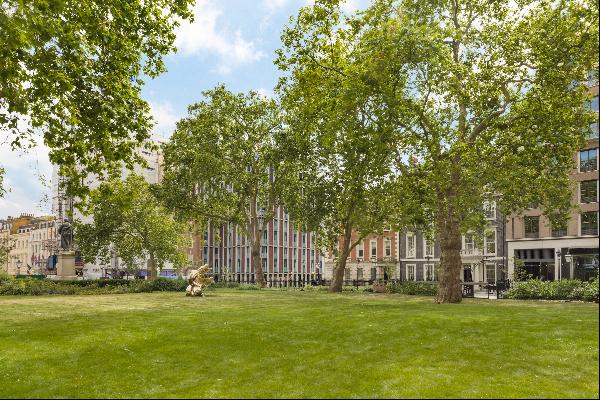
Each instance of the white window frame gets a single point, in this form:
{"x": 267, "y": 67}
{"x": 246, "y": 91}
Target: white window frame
{"x": 426, "y": 245}
{"x": 371, "y": 248}
{"x": 485, "y": 241}
{"x": 360, "y": 248}
{"x": 472, "y": 249}
{"x": 432, "y": 272}
{"x": 414, "y": 268}
{"x": 411, "y": 237}
{"x": 492, "y": 206}
{"x": 387, "y": 247}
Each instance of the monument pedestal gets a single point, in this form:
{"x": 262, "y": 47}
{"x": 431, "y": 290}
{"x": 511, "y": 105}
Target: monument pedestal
{"x": 65, "y": 268}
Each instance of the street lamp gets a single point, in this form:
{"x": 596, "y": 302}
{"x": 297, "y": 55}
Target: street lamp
{"x": 559, "y": 261}
{"x": 428, "y": 258}
{"x": 569, "y": 259}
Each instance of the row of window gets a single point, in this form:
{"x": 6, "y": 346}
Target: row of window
{"x": 387, "y": 248}
{"x": 468, "y": 244}
{"x": 588, "y": 224}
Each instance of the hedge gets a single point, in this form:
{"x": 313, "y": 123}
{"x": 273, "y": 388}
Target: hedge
{"x": 413, "y": 288}
{"x": 566, "y": 289}
{"x": 36, "y": 287}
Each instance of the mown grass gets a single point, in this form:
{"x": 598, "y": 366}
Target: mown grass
{"x": 295, "y": 344}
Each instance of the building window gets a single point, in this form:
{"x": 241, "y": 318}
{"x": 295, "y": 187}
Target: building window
{"x": 360, "y": 248}
{"x": 559, "y": 231}
{"x": 374, "y": 249}
{"x": 373, "y": 273}
{"x": 359, "y": 273}
{"x": 589, "y": 191}
{"x": 469, "y": 243}
{"x": 490, "y": 242}
{"x": 490, "y": 271}
{"x": 429, "y": 270}
{"x": 428, "y": 247}
{"x": 489, "y": 209}
{"x": 411, "y": 245}
{"x": 588, "y": 160}
{"x": 589, "y": 223}
{"x": 347, "y": 274}
{"x": 532, "y": 227}
{"x": 410, "y": 272}
{"x": 388, "y": 247}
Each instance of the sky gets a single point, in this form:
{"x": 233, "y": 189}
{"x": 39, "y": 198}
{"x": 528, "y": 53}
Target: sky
{"x": 231, "y": 42}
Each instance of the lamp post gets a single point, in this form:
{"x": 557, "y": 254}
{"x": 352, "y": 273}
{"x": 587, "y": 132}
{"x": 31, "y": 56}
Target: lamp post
{"x": 559, "y": 262}
{"x": 569, "y": 260}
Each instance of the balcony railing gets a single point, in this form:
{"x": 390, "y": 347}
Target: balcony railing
{"x": 471, "y": 252}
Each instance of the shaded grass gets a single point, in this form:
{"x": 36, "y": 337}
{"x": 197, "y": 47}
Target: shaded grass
{"x": 295, "y": 344}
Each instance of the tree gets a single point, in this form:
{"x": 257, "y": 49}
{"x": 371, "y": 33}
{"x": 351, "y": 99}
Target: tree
{"x": 72, "y": 71}
{"x": 129, "y": 220}
{"x": 487, "y": 99}
{"x": 335, "y": 157}
{"x": 6, "y": 245}
{"x": 218, "y": 164}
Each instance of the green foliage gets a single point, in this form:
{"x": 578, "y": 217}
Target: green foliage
{"x": 414, "y": 288}
{"x": 335, "y": 157}
{"x": 74, "y": 69}
{"x": 36, "y": 287}
{"x": 218, "y": 164}
{"x": 452, "y": 103}
{"x": 6, "y": 245}
{"x": 566, "y": 289}
{"x": 130, "y": 221}
{"x": 248, "y": 286}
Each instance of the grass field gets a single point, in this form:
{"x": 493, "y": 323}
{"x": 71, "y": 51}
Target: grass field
{"x": 236, "y": 343}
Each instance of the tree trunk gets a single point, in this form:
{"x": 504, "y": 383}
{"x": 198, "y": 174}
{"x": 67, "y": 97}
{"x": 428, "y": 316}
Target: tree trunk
{"x": 340, "y": 266}
{"x": 255, "y": 238}
{"x": 151, "y": 267}
{"x": 258, "y": 271}
{"x": 449, "y": 288}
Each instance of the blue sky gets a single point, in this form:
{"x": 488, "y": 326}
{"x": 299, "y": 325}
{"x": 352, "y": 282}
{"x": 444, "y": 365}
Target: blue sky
{"x": 230, "y": 41}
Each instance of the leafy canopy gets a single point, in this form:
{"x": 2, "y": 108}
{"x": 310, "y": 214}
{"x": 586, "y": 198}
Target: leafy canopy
{"x": 72, "y": 71}
{"x": 129, "y": 220}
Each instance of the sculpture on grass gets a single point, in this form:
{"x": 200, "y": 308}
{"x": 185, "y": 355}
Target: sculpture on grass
{"x": 197, "y": 281}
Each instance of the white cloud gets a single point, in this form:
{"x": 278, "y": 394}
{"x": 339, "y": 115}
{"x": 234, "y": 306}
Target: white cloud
{"x": 268, "y": 93}
{"x": 165, "y": 117}
{"x": 206, "y": 35}
{"x": 28, "y": 179}
{"x": 274, "y": 4}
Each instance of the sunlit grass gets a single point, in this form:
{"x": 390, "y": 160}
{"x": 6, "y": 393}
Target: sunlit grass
{"x": 294, "y": 344}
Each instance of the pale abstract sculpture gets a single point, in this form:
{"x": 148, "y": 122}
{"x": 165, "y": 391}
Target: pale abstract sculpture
{"x": 197, "y": 281}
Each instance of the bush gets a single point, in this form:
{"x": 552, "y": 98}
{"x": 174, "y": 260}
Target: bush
{"x": 36, "y": 287}
{"x": 225, "y": 285}
{"x": 248, "y": 286}
{"x": 412, "y": 288}
{"x": 566, "y": 289}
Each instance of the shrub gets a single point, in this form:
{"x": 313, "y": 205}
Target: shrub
{"x": 566, "y": 289}
{"x": 36, "y": 287}
{"x": 248, "y": 286}
{"x": 412, "y": 288}
{"x": 225, "y": 285}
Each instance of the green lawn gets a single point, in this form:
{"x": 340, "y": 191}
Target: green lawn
{"x": 236, "y": 343}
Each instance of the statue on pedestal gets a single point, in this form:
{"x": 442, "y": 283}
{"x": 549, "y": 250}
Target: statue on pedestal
{"x": 65, "y": 230}
{"x": 197, "y": 281}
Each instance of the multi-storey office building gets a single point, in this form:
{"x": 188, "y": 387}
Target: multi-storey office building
{"x": 370, "y": 259}
{"x": 482, "y": 254}
{"x": 285, "y": 253}
{"x": 549, "y": 253}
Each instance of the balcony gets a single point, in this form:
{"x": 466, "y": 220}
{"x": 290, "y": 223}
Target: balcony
{"x": 471, "y": 252}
